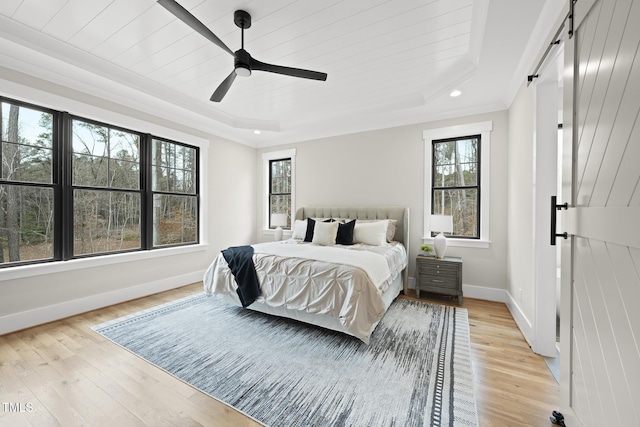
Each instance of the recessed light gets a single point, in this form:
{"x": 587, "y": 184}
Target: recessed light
{"x": 455, "y": 93}
{"x": 257, "y": 132}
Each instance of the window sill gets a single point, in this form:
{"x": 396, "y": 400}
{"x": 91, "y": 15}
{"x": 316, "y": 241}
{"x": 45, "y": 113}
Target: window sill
{"x": 461, "y": 243}
{"x": 271, "y": 231}
{"x": 12, "y": 273}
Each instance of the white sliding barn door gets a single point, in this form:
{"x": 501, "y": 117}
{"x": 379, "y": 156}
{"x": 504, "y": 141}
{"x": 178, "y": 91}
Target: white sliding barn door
{"x": 600, "y": 321}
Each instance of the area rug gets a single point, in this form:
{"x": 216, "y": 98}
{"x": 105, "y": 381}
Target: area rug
{"x": 416, "y": 371}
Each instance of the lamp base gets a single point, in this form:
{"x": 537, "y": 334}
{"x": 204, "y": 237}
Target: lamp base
{"x": 278, "y": 234}
{"x": 440, "y": 245}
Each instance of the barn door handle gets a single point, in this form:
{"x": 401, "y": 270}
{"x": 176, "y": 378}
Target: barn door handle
{"x": 554, "y": 208}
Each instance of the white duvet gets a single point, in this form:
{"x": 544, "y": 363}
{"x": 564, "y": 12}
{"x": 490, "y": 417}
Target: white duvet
{"x": 345, "y": 282}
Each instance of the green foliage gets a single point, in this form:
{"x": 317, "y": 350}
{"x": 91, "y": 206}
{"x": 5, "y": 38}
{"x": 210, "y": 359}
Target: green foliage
{"x": 33, "y": 233}
{"x": 426, "y": 248}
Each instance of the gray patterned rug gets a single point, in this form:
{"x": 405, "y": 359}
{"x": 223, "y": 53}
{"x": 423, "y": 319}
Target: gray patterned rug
{"x": 415, "y": 372}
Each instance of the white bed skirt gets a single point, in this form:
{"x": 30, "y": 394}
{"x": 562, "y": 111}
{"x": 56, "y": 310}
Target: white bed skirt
{"x": 322, "y": 320}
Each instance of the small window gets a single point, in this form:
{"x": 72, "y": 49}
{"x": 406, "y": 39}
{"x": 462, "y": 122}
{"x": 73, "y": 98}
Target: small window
{"x": 456, "y": 183}
{"x": 280, "y": 193}
{"x": 279, "y": 189}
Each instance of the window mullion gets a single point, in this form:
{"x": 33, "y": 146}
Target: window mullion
{"x": 57, "y": 179}
{"x": 66, "y": 186}
{"x": 146, "y": 193}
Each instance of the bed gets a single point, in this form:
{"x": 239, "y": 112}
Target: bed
{"x": 346, "y": 288}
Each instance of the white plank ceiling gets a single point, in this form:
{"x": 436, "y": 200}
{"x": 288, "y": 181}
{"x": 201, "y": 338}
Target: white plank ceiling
{"x": 389, "y": 63}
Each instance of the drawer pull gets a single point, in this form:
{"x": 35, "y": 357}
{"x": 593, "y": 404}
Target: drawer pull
{"x": 439, "y": 281}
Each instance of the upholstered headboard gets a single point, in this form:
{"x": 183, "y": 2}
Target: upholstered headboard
{"x": 399, "y": 213}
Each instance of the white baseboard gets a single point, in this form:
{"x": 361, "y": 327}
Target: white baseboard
{"x": 521, "y": 320}
{"x": 472, "y": 291}
{"x": 487, "y": 294}
{"x": 38, "y": 316}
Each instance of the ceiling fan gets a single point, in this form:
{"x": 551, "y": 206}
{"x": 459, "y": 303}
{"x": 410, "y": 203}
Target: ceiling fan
{"x": 244, "y": 63}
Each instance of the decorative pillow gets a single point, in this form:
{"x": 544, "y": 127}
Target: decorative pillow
{"x": 341, "y": 220}
{"x": 326, "y": 219}
{"x": 371, "y": 233}
{"x": 324, "y": 233}
{"x": 311, "y": 224}
{"x": 299, "y": 230}
{"x": 391, "y": 227}
{"x": 345, "y": 233}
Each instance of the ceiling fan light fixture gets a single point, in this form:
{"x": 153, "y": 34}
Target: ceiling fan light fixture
{"x": 243, "y": 71}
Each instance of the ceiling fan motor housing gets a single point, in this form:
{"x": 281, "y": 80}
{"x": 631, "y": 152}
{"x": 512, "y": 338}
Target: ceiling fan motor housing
{"x": 242, "y": 63}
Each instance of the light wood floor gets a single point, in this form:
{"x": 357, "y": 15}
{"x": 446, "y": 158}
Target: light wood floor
{"x": 62, "y": 373}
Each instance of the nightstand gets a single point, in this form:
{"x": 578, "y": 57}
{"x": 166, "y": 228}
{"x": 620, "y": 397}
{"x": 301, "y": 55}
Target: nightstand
{"x": 442, "y": 276}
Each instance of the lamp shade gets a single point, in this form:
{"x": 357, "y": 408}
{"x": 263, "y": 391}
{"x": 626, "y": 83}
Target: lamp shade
{"x": 442, "y": 223}
{"x": 279, "y": 220}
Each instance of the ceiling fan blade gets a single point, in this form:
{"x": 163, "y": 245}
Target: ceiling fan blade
{"x": 288, "y": 71}
{"x": 185, "y": 16}
{"x": 223, "y": 88}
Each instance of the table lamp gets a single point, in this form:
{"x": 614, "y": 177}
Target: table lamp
{"x": 441, "y": 224}
{"x": 279, "y": 220}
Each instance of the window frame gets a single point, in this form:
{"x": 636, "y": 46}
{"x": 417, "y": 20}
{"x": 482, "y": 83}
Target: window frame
{"x": 477, "y": 185}
{"x": 70, "y": 188}
{"x": 62, "y": 183}
{"x": 483, "y": 129}
{"x": 271, "y": 194}
{"x": 148, "y": 211}
{"x": 267, "y": 158}
{"x": 55, "y": 184}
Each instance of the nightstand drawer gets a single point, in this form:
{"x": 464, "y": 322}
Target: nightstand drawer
{"x": 439, "y": 268}
{"x": 432, "y": 281}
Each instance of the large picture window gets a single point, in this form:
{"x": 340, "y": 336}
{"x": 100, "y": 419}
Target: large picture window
{"x": 456, "y": 183}
{"x": 71, "y": 187}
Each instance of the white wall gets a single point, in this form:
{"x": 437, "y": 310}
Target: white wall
{"x": 387, "y": 167}
{"x": 520, "y": 194}
{"x": 35, "y": 294}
